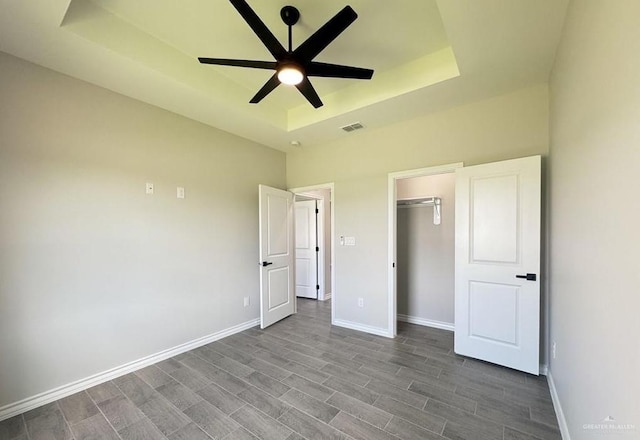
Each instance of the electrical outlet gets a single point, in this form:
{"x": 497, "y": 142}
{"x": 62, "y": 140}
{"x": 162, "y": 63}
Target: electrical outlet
{"x": 247, "y": 301}
{"x": 553, "y": 350}
{"x": 360, "y": 302}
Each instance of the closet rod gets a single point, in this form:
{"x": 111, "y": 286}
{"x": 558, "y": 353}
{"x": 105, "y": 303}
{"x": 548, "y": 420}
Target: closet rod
{"x": 436, "y": 202}
{"x": 428, "y": 201}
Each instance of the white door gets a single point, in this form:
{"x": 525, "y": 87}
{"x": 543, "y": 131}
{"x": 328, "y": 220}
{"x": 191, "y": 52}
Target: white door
{"x": 277, "y": 296}
{"x": 497, "y": 281}
{"x": 306, "y": 249}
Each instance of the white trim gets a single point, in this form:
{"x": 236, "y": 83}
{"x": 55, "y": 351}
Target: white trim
{"x": 544, "y": 369}
{"x": 392, "y": 324}
{"x": 362, "y": 328}
{"x": 427, "y": 322}
{"x": 326, "y": 296}
{"x": 562, "y": 422}
{"x": 320, "y": 241}
{"x": 32, "y": 402}
{"x": 392, "y": 233}
{"x": 331, "y": 187}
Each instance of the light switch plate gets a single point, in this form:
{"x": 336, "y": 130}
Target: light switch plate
{"x": 149, "y": 188}
{"x": 349, "y": 241}
{"x": 180, "y": 192}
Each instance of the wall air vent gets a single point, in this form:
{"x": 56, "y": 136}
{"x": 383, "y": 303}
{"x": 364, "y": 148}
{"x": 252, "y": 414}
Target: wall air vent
{"x": 352, "y": 127}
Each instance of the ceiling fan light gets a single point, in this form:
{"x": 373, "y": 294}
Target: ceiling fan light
{"x": 290, "y": 75}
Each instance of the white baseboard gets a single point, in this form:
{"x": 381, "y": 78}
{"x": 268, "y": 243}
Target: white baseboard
{"x": 562, "y": 422}
{"x": 362, "y": 328}
{"x": 427, "y": 322}
{"x": 325, "y": 297}
{"x": 30, "y": 403}
{"x": 543, "y": 369}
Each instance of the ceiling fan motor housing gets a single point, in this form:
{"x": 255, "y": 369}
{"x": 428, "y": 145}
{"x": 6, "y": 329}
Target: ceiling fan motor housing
{"x": 290, "y": 15}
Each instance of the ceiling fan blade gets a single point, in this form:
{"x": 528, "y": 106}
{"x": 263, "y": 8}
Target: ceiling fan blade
{"x": 337, "y": 71}
{"x": 266, "y": 89}
{"x": 309, "y": 92}
{"x": 325, "y": 35}
{"x": 260, "y": 29}
{"x": 239, "y": 63}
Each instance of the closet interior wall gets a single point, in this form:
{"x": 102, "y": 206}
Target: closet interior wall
{"x": 425, "y": 252}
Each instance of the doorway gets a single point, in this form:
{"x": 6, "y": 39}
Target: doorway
{"x": 309, "y": 247}
{"x": 394, "y": 179}
{"x": 322, "y": 195}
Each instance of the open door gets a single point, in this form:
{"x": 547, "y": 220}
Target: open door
{"x": 306, "y": 249}
{"x": 497, "y": 282}
{"x": 277, "y": 294}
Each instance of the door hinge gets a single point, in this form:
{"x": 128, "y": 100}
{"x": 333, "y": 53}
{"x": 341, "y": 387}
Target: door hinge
{"x": 317, "y": 249}
{"x": 317, "y": 286}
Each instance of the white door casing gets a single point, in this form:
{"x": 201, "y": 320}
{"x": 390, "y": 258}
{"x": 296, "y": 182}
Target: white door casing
{"x": 497, "y": 313}
{"x": 323, "y": 267}
{"x": 277, "y": 294}
{"x": 392, "y": 208}
{"x": 306, "y": 255}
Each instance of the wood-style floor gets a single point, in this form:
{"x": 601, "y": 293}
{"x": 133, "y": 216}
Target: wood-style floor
{"x": 303, "y": 379}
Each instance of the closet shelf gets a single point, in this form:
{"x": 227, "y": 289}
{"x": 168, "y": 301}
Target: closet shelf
{"x": 428, "y": 201}
{"x": 436, "y": 202}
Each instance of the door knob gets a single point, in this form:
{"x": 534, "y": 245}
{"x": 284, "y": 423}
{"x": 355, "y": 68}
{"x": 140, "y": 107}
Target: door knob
{"x": 266, "y": 263}
{"x": 528, "y": 277}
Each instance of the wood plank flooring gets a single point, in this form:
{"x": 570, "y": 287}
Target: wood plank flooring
{"x": 303, "y": 379}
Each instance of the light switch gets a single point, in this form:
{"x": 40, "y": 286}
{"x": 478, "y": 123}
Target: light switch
{"x": 149, "y": 188}
{"x": 349, "y": 241}
{"x": 180, "y": 192}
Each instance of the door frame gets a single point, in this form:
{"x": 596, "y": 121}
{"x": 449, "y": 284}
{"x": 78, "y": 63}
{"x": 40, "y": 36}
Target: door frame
{"x": 321, "y": 253}
{"x": 331, "y": 187}
{"x": 392, "y": 326}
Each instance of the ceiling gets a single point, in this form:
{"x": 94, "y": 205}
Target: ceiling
{"x": 427, "y": 55}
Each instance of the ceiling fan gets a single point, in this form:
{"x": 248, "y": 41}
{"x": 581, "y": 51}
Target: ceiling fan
{"x": 294, "y": 67}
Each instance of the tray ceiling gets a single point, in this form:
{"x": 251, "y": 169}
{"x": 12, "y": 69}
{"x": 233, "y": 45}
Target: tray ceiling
{"x": 427, "y": 55}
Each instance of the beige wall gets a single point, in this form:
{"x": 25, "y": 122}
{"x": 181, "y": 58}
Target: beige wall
{"x": 93, "y": 272}
{"x": 425, "y": 251}
{"x": 595, "y": 217}
{"x": 504, "y": 127}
